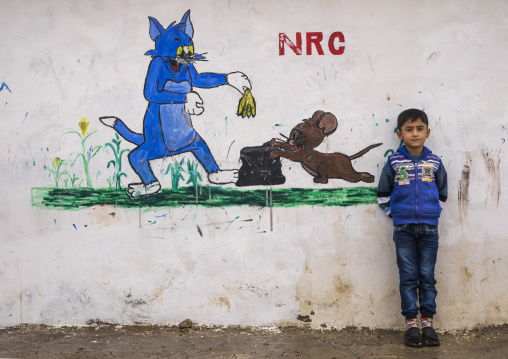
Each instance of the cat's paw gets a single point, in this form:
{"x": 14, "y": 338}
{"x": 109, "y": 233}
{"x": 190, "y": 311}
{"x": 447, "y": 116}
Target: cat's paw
{"x": 193, "y": 104}
{"x": 141, "y": 189}
{"x": 239, "y": 81}
{"x": 223, "y": 177}
{"x": 109, "y": 121}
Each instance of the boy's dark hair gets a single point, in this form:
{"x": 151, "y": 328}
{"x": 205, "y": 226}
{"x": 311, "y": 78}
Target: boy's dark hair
{"x": 412, "y": 115}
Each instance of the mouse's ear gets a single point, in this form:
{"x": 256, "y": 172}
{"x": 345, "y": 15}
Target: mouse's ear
{"x": 317, "y": 116}
{"x": 328, "y": 123}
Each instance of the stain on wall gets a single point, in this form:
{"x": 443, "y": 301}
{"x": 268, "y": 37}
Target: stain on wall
{"x": 221, "y": 302}
{"x": 492, "y": 162}
{"x": 463, "y": 190}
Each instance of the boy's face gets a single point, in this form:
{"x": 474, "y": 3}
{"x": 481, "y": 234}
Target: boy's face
{"x": 414, "y": 134}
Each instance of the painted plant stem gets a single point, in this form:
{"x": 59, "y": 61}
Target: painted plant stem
{"x": 57, "y": 164}
{"x": 117, "y": 162}
{"x": 73, "y": 179}
{"x": 85, "y": 155}
{"x": 194, "y": 176}
{"x": 176, "y": 169}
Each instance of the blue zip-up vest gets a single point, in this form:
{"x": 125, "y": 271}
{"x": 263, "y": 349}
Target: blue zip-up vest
{"x": 415, "y": 196}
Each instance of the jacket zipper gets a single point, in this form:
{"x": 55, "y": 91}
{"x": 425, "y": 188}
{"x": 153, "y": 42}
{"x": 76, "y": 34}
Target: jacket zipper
{"x": 417, "y": 192}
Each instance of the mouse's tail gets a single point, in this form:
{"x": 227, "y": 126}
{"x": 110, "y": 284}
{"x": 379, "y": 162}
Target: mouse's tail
{"x": 122, "y": 129}
{"x": 364, "y": 151}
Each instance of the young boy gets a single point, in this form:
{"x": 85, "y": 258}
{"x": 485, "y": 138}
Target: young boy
{"x": 412, "y": 189}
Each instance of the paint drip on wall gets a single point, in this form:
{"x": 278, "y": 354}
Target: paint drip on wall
{"x": 492, "y": 162}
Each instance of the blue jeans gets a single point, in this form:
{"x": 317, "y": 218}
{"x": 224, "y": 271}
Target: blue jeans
{"x": 416, "y": 245}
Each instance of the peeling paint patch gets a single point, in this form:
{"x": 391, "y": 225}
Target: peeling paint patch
{"x": 304, "y": 318}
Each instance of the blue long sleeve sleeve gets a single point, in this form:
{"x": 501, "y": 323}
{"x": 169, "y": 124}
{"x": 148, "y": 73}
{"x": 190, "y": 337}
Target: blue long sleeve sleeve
{"x": 384, "y": 188}
{"x": 442, "y": 184}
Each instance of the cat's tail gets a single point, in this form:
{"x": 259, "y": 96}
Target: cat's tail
{"x": 120, "y": 127}
{"x": 364, "y": 151}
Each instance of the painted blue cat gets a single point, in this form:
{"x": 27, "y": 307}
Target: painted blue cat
{"x": 167, "y": 127}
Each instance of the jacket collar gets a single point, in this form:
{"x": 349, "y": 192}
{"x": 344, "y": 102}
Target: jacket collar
{"x": 404, "y": 152}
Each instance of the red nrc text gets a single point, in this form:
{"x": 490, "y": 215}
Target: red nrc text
{"x": 313, "y": 39}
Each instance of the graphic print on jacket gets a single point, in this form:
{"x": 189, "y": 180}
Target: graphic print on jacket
{"x": 167, "y": 125}
{"x": 410, "y": 191}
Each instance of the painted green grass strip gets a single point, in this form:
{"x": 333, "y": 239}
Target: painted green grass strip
{"x": 78, "y": 198}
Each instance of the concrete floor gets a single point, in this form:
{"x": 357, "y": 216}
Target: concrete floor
{"x": 110, "y": 341}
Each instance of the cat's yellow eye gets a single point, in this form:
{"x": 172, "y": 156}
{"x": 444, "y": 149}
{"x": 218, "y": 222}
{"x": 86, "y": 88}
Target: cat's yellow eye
{"x": 179, "y": 51}
{"x": 191, "y": 49}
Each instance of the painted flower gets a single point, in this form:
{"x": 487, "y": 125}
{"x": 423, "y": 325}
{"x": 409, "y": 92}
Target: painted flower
{"x": 83, "y": 125}
{"x": 56, "y": 161}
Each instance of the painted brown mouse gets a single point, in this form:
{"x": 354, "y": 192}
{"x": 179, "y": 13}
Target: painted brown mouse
{"x": 301, "y": 144}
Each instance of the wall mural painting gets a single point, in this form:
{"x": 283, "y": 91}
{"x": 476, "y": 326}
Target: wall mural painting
{"x": 170, "y": 89}
{"x": 301, "y": 144}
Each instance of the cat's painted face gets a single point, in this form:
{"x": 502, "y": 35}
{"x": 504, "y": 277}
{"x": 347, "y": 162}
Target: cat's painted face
{"x": 174, "y": 44}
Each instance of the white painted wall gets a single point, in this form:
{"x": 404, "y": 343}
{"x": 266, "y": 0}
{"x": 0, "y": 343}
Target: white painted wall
{"x": 63, "y": 60}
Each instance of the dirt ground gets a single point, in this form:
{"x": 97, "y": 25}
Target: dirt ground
{"x": 110, "y": 341}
